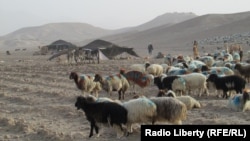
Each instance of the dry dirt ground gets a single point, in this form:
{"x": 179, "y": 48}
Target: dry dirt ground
{"x": 37, "y": 101}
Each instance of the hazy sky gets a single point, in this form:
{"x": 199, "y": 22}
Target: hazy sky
{"x": 107, "y": 14}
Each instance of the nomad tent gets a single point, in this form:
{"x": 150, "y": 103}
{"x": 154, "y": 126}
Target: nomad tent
{"x": 60, "y": 45}
{"x": 108, "y": 50}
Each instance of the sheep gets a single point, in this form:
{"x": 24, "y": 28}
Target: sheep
{"x": 85, "y": 83}
{"x": 195, "y": 64}
{"x": 196, "y": 81}
{"x": 244, "y": 70}
{"x": 175, "y": 83}
{"x": 110, "y": 113}
{"x": 240, "y": 102}
{"x": 165, "y": 66}
{"x": 169, "y": 110}
{"x": 154, "y": 69}
{"x": 140, "y": 110}
{"x": 116, "y": 82}
{"x": 165, "y": 82}
{"x": 228, "y": 57}
{"x": 179, "y": 85}
{"x": 138, "y": 78}
{"x": 208, "y": 60}
{"x": 223, "y": 70}
{"x": 178, "y": 71}
{"x": 189, "y": 101}
{"x": 227, "y": 83}
{"x": 217, "y": 70}
{"x": 170, "y": 68}
{"x": 138, "y": 67}
{"x": 236, "y": 57}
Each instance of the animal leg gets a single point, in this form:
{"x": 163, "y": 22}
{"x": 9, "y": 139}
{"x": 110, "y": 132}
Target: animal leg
{"x": 225, "y": 94}
{"x": 129, "y": 128}
{"x": 97, "y": 130}
{"x": 119, "y": 130}
{"x": 120, "y": 93}
{"x": 92, "y": 125}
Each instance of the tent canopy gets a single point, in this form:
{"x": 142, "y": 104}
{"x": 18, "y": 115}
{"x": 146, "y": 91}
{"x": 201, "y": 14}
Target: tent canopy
{"x": 61, "y": 45}
{"x": 109, "y": 50}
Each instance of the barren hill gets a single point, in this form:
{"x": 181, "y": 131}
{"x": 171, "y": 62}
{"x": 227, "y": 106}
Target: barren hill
{"x": 78, "y": 33}
{"x": 179, "y": 37}
{"x": 171, "y": 32}
{"x": 45, "y": 34}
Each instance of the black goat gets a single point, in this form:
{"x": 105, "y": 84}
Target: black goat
{"x": 227, "y": 83}
{"x": 102, "y": 112}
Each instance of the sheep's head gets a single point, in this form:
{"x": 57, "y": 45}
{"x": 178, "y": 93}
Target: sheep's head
{"x": 98, "y": 78}
{"x": 147, "y": 64}
{"x": 73, "y": 75}
{"x": 79, "y": 102}
{"x": 237, "y": 66}
{"x": 205, "y": 68}
{"x": 122, "y": 71}
{"x": 212, "y": 78}
{"x": 157, "y": 79}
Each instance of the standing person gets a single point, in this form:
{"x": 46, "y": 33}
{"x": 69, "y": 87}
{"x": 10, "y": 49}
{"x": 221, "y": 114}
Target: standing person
{"x": 195, "y": 50}
{"x": 241, "y": 54}
{"x": 150, "y": 49}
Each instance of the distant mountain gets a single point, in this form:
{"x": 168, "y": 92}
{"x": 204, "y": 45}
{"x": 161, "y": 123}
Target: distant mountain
{"x": 79, "y": 33}
{"x": 170, "y": 32}
{"x": 179, "y": 37}
{"x": 167, "y": 19}
{"x": 45, "y": 34}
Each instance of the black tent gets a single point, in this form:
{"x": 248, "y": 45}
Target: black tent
{"x": 61, "y": 45}
{"x": 108, "y": 49}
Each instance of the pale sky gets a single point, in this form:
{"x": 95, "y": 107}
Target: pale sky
{"x": 107, "y": 14}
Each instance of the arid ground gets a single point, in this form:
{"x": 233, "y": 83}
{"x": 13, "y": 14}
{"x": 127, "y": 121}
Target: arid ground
{"x": 37, "y": 100}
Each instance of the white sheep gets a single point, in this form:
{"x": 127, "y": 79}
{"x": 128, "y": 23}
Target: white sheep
{"x": 165, "y": 67}
{"x": 195, "y": 64}
{"x": 189, "y": 101}
{"x": 221, "y": 71}
{"x": 196, "y": 81}
{"x": 140, "y": 110}
{"x": 179, "y": 85}
{"x": 138, "y": 67}
{"x": 208, "y": 60}
{"x": 154, "y": 69}
{"x": 170, "y": 110}
{"x": 240, "y": 102}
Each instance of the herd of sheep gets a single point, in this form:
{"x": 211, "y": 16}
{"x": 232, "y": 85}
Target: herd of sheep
{"x": 177, "y": 80}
